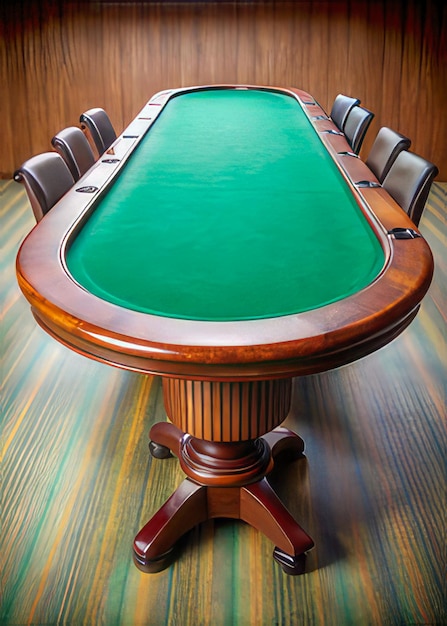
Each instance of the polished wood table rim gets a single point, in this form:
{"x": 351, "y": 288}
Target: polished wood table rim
{"x": 297, "y": 341}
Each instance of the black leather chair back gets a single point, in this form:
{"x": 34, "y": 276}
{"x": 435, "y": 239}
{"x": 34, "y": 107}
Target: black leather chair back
{"x": 356, "y": 125}
{"x": 340, "y": 109}
{"x": 74, "y": 148}
{"x": 384, "y": 151}
{"x": 98, "y": 124}
{"x": 409, "y": 181}
{"x": 46, "y": 178}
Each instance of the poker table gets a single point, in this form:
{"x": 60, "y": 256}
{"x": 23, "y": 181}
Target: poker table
{"x": 228, "y": 241}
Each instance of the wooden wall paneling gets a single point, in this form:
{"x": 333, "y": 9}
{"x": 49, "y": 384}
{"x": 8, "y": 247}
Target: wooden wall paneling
{"x": 8, "y": 139}
{"x": 338, "y": 74}
{"x": 191, "y": 42}
{"x": 422, "y": 91}
{"x": 292, "y": 27}
{"x": 81, "y": 44}
{"x": 114, "y": 69}
{"x": 283, "y": 44}
{"x": 205, "y": 44}
{"x": 390, "y": 87}
{"x": 411, "y": 68}
{"x": 374, "y": 33}
{"x": 432, "y": 127}
{"x": 126, "y": 44}
{"x": 150, "y": 66}
{"x": 439, "y": 144}
{"x": 169, "y": 55}
{"x": 245, "y": 43}
{"x": 49, "y": 69}
{"x": 366, "y": 40}
{"x": 230, "y": 48}
{"x": 319, "y": 50}
{"x": 59, "y": 58}
{"x": 200, "y": 40}
{"x": 309, "y": 31}
{"x": 264, "y": 67}
{"x": 427, "y": 90}
{"x": 222, "y": 32}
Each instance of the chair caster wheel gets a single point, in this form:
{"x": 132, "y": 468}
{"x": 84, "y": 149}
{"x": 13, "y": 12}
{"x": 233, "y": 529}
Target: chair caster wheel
{"x": 152, "y": 566}
{"x": 292, "y": 565}
{"x": 158, "y": 451}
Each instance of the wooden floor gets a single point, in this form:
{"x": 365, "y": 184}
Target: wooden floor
{"x": 78, "y": 483}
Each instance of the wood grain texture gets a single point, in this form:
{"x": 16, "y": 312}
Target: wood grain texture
{"x": 60, "y": 57}
{"x": 78, "y": 483}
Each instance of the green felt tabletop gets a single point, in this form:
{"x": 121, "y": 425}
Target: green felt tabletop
{"x": 229, "y": 209}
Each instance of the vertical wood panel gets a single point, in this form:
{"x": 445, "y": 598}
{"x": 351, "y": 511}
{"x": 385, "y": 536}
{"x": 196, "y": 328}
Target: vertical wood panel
{"x": 336, "y": 50}
{"x": 59, "y": 58}
{"x": 390, "y": 90}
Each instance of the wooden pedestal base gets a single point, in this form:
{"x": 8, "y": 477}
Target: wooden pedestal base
{"x": 223, "y": 480}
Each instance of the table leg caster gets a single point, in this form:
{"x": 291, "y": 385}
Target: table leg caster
{"x": 165, "y": 440}
{"x": 159, "y": 451}
{"x": 294, "y": 565}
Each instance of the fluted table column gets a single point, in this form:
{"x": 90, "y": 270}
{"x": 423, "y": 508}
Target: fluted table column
{"x": 227, "y": 411}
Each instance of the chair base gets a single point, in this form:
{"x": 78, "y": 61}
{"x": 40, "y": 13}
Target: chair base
{"x": 227, "y": 480}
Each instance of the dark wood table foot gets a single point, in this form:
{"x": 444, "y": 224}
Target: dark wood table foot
{"x": 154, "y": 546}
{"x": 262, "y": 509}
{"x": 153, "y": 566}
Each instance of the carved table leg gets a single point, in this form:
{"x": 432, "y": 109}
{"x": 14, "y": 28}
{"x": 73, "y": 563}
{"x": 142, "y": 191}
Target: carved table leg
{"x": 262, "y": 509}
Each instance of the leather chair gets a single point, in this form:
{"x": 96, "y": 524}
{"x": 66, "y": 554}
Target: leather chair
{"x": 46, "y": 178}
{"x": 340, "y": 109}
{"x": 409, "y": 181}
{"x": 74, "y": 148}
{"x": 96, "y": 124}
{"x": 356, "y": 124}
{"x": 387, "y": 145}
